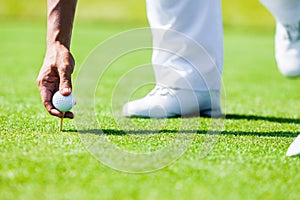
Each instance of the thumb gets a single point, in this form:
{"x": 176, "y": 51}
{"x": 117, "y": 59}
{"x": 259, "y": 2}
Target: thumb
{"x": 65, "y": 83}
{"x": 65, "y": 71}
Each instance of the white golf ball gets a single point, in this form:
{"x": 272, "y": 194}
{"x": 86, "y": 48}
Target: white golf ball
{"x": 63, "y": 103}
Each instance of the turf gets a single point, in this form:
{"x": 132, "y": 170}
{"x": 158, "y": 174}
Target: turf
{"x": 235, "y": 12}
{"x": 247, "y": 161}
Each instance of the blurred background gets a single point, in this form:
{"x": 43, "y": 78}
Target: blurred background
{"x": 248, "y": 13}
{"x": 248, "y": 25}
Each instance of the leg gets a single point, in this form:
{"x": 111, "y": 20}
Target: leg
{"x": 199, "y": 20}
{"x": 287, "y": 44}
{"x": 287, "y": 39}
{"x": 187, "y": 59}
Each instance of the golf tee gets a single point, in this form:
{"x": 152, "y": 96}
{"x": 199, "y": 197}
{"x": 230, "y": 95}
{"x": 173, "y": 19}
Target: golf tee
{"x": 61, "y": 121}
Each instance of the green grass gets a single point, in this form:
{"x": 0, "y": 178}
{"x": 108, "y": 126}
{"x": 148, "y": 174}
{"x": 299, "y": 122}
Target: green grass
{"x": 247, "y": 162}
{"x": 235, "y": 12}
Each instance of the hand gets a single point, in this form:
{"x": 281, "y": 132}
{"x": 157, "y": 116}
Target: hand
{"x": 55, "y": 75}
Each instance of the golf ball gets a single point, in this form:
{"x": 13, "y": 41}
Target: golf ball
{"x": 63, "y": 103}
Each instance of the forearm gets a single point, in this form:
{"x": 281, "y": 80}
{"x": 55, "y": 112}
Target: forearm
{"x": 60, "y": 17}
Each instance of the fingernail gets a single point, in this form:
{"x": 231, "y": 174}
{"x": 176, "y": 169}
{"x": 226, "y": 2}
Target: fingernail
{"x": 66, "y": 90}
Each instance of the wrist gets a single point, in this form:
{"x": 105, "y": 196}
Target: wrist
{"x": 57, "y": 46}
{"x": 55, "y": 51}
{"x": 56, "y": 38}
{"x": 60, "y": 19}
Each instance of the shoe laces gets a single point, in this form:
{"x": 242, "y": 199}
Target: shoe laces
{"x": 293, "y": 31}
{"x": 162, "y": 91}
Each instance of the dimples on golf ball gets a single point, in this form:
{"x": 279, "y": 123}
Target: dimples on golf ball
{"x": 62, "y": 103}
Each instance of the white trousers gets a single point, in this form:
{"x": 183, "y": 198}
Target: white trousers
{"x": 187, "y": 43}
{"x": 188, "y": 40}
{"x": 284, "y": 11}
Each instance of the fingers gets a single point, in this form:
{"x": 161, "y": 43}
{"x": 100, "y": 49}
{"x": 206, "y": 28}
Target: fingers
{"x": 65, "y": 84}
{"x": 65, "y": 75}
{"x": 66, "y": 90}
{"x": 59, "y": 114}
{"x": 54, "y": 112}
{"x": 55, "y": 75}
{"x": 46, "y": 96}
{"x": 48, "y": 85}
{"x": 69, "y": 115}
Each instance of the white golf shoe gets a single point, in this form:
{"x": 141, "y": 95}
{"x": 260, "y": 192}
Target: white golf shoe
{"x": 164, "y": 102}
{"x": 294, "y": 148}
{"x": 287, "y": 48}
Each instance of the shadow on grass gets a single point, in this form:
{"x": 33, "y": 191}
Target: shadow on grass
{"x": 262, "y": 118}
{"x": 149, "y": 132}
{"x": 228, "y": 116}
